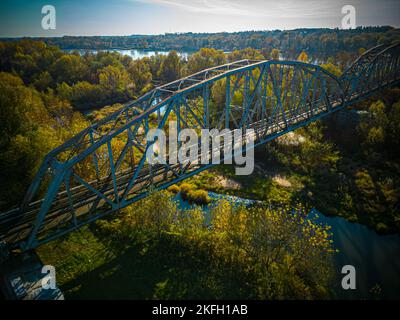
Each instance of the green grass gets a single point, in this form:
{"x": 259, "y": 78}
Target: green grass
{"x": 78, "y": 253}
{"x": 254, "y": 186}
{"x": 90, "y": 266}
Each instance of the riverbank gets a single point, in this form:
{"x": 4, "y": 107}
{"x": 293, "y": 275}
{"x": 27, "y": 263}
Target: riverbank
{"x": 280, "y": 186}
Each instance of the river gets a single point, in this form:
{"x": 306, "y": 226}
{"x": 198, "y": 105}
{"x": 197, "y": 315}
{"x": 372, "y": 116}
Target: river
{"x": 133, "y": 53}
{"x": 375, "y": 257}
{"x": 142, "y": 53}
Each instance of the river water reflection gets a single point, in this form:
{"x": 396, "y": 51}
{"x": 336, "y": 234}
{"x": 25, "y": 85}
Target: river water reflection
{"x": 133, "y": 53}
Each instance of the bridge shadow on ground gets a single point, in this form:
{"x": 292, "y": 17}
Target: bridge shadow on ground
{"x": 165, "y": 269}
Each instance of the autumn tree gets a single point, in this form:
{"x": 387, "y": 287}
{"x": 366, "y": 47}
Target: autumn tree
{"x": 27, "y": 134}
{"x": 139, "y": 72}
{"x": 115, "y": 83}
{"x": 248, "y": 53}
{"x": 69, "y": 69}
{"x": 205, "y": 58}
{"x": 170, "y": 68}
{"x": 303, "y": 57}
{"x": 275, "y": 54}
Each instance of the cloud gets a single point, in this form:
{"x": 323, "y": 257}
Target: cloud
{"x": 276, "y": 9}
{"x": 219, "y": 7}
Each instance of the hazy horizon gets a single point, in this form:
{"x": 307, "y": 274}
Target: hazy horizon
{"x": 187, "y": 32}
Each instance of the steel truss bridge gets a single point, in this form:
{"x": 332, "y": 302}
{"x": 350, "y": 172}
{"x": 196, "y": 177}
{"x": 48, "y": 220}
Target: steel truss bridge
{"x": 103, "y": 168}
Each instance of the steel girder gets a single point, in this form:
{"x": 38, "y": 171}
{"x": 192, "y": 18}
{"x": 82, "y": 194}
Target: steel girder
{"x": 376, "y": 68}
{"x": 104, "y": 168}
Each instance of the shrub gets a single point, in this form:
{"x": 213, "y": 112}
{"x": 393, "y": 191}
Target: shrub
{"x": 185, "y": 188}
{"x": 198, "y": 196}
{"x": 174, "y": 189}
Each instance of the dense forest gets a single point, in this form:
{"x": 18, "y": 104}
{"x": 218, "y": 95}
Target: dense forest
{"x": 318, "y": 43}
{"x": 341, "y": 169}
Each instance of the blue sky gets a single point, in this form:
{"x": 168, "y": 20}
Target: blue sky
{"x": 125, "y": 17}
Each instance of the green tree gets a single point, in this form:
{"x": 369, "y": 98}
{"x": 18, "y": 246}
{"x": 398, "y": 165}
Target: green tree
{"x": 332, "y": 69}
{"x": 248, "y": 53}
{"x": 27, "y": 134}
{"x": 86, "y": 95}
{"x": 316, "y": 153}
{"x": 170, "y": 68}
{"x": 205, "y": 58}
{"x": 43, "y": 81}
{"x": 69, "y": 68}
{"x": 275, "y": 54}
{"x": 374, "y": 126}
{"x": 139, "y": 72}
{"x": 115, "y": 83}
{"x": 368, "y": 193}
